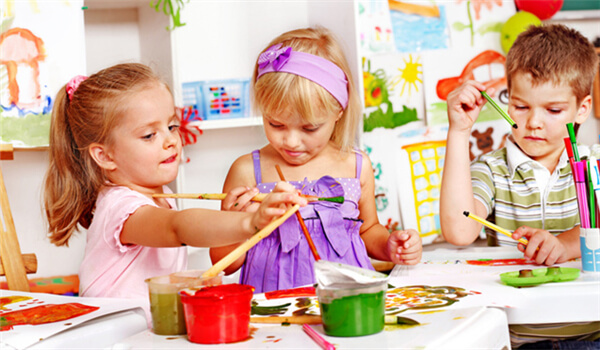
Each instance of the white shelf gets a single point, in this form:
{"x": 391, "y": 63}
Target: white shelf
{"x": 227, "y": 123}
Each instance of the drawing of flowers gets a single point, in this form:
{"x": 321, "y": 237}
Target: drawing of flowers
{"x": 477, "y": 5}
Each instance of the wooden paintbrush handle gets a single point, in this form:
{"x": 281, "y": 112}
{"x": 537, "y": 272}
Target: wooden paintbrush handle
{"x": 244, "y": 247}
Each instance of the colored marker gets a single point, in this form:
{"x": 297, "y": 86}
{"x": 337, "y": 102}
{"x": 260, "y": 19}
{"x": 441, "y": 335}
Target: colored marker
{"x": 324, "y": 344}
{"x": 500, "y": 110}
{"x": 581, "y": 194}
{"x": 595, "y": 180}
{"x": 590, "y": 187}
{"x": 494, "y": 227}
{"x": 573, "y": 141}
{"x": 569, "y": 148}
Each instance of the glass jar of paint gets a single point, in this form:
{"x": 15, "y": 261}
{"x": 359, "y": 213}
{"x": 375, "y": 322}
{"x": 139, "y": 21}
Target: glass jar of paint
{"x": 218, "y": 314}
{"x": 353, "y": 311}
{"x": 165, "y": 303}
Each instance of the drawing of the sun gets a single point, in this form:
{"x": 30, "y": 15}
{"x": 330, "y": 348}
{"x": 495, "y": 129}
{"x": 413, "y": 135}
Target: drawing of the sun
{"x": 410, "y": 75}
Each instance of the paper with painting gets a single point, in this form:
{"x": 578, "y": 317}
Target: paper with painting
{"x": 27, "y": 318}
{"x": 42, "y": 47}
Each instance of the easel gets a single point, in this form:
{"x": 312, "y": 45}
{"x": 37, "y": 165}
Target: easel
{"x": 13, "y": 265}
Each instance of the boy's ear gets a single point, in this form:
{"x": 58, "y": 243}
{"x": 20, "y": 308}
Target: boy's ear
{"x": 585, "y": 107}
{"x": 102, "y": 157}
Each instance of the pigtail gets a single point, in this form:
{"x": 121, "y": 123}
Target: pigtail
{"x": 67, "y": 196}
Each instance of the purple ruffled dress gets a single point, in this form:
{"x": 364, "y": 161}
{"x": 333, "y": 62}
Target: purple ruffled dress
{"x": 283, "y": 259}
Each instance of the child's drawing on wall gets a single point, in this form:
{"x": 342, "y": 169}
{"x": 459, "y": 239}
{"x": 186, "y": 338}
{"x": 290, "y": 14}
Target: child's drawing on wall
{"x": 41, "y": 46}
{"x": 478, "y": 20}
{"x": 393, "y": 88}
{"x": 419, "y": 160}
{"x": 418, "y": 25}
{"x": 488, "y": 136}
{"x": 475, "y": 53}
{"x": 440, "y": 79}
{"x": 375, "y": 27}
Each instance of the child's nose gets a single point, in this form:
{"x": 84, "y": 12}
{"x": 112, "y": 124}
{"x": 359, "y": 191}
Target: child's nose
{"x": 291, "y": 139}
{"x": 535, "y": 119}
{"x": 171, "y": 139}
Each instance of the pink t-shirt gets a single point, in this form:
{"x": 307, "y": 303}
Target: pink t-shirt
{"x": 111, "y": 269}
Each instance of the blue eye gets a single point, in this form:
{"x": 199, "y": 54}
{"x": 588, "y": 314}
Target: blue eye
{"x": 275, "y": 125}
{"x": 174, "y": 127}
{"x": 147, "y": 137}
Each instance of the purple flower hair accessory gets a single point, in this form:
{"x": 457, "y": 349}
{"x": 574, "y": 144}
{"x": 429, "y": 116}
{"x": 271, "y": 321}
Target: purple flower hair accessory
{"x": 315, "y": 68}
{"x": 73, "y": 84}
{"x": 274, "y": 55}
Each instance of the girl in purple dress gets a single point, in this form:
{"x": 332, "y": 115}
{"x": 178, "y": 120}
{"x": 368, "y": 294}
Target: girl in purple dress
{"x": 303, "y": 88}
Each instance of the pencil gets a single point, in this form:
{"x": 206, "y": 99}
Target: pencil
{"x": 258, "y": 198}
{"x": 309, "y": 240}
{"x": 500, "y": 110}
{"x": 494, "y": 227}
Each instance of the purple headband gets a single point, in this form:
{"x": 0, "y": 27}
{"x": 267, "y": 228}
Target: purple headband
{"x": 314, "y": 68}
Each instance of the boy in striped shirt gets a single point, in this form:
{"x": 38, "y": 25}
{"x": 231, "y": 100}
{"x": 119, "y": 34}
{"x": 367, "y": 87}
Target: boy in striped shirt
{"x": 527, "y": 186}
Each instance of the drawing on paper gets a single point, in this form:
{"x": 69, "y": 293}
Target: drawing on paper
{"x": 418, "y": 27}
{"x": 375, "y": 27}
{"x": 398, "y": 300}
{"x": 483, "y": 28}
{"x": 42, "y": 314}
{"x": 389, "y": 81}
{"x": 38, "y": 54}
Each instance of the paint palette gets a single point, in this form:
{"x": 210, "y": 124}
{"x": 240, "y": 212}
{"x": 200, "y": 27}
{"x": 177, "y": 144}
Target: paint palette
{"x": 218, "y": 99}
{"x": 530, "y": 278}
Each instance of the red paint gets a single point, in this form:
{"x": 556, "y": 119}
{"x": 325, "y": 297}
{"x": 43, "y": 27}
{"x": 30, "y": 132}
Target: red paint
{"x": 291, "y": 293}
{"x": 500, "y": 262}
{"x": 218, "y": 314}
{"x": 44, "y": 314}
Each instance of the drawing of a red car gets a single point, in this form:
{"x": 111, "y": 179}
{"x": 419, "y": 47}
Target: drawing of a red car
{"x": 484, "y": 64}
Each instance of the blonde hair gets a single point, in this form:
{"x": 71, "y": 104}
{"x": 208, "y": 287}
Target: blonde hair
{"x": 277, "y": 93}
{"x": 554, "y": 53}
{"x": 73, "y": 179}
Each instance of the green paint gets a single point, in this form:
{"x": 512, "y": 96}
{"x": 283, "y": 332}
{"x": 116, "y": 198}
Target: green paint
{"x": 167, "y": 314}
{"x": 354, "y": 315}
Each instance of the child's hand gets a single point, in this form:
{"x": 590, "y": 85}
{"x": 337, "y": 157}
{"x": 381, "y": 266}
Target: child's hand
{"x": 240, "y": 199}
{"x": 276, "y": 204}
{"x": 404, "y": 247}
{"x": 464, "y": 104}
{"x": 551, "y": 249}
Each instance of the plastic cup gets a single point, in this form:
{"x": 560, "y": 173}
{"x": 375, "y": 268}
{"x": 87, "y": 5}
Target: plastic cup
{"x": 218, "y": 314}
{"x": 351, "y": 312}
{"x": 165, "y": 303}
{"x": 589, "y": 239}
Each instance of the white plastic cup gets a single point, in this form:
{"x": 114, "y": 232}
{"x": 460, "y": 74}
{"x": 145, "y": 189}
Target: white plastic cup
{"x": 589, "y": 238}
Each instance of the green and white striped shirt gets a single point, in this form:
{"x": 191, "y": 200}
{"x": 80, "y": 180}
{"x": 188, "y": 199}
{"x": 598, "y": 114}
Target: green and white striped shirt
{"x": 511, "y": 187}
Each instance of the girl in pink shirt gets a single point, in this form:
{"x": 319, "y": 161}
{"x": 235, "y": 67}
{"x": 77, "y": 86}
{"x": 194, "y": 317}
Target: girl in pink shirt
{"x": 114, "y": 142}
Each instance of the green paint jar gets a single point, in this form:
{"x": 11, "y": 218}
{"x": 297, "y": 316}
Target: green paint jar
{"x": 351, "y": 312}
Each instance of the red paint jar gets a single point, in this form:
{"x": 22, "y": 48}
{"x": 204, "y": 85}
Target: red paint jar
{"x": 217, "y": 314}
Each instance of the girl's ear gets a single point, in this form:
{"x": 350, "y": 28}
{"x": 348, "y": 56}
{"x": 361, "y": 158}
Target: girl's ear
{"x": 585, "y": 107}
{"x": 102, "y": 157}
{"x": 340, "y": 115}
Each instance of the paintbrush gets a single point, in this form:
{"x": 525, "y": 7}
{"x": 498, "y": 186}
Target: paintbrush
{"x": 317, "y": 319}
{"x": 251, "y": 242}
{"x": 258, "y": 198}
{"x": 311, "y": 244}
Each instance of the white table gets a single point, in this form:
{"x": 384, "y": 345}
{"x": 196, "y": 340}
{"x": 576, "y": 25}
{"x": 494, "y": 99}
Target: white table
{"x": 476, "y": 321}
{"x": 466, "y": 328}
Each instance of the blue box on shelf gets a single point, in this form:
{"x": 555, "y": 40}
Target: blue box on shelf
{"x": 218, "y": 99}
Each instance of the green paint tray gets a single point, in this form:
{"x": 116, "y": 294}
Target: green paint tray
{"x": 529, "y": 278}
